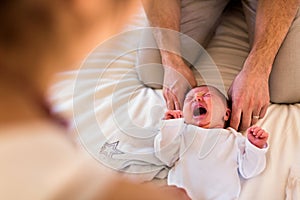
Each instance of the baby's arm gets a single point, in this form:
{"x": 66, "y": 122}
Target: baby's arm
{"x": 257, "y": 136}
{"x": 252, "y": 154}
{"x": 168, "y": 141}
{"x": 173, "y": 114}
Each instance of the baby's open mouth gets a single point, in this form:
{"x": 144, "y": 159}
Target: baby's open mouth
{"x": 199, "y": 111}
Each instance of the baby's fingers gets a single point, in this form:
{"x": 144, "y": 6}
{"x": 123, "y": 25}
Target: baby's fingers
{"x": 253, "y": 130}
{"x": 168, "y": 115}
{"x": 259, "y": 133}
{"x": 264, "y": 134}
{"x": 178, "y": 114}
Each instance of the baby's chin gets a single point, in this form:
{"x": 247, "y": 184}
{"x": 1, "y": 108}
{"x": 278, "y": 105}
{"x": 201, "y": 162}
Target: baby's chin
{"x": 202, "y": 124}
{"x": 208, "y": 125}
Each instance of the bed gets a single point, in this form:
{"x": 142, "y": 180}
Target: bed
{"x": 115, "y": 118}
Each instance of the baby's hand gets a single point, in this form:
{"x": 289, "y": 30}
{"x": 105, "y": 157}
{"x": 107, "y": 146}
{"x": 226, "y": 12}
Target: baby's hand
{"x": 173, "y": 114}
{"x": 257, "y": 136}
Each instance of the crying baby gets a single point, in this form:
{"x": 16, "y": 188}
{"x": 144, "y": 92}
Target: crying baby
{"x": 204, "y": 106}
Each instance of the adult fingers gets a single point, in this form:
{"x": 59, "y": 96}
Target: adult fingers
{"x": 168, "y": 99}
{"x": 177, "y": 104}
{"x": 241, "y": 117}
{"x": 235, "y": 117}
{"x": 171, "y": 100}
{"x": 259, "y": 113}
{"x": 246, "y": 120}
{"x": 255, "y": 115}
{"x": 263, "y": 111}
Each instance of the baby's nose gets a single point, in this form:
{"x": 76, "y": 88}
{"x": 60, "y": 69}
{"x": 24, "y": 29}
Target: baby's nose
{"x": 198, "y": 97}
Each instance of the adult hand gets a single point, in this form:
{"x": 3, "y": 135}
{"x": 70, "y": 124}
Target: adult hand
{"x": 178, "y": 77}
{"x": 250, "y": 98}
{"x": 177, "y": 81}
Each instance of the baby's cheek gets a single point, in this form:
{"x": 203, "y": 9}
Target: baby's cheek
{"x": 187, "y": 119}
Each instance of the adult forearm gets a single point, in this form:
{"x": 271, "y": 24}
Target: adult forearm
{"x": 273, "y": 20}
{"x": 165, "y": 14}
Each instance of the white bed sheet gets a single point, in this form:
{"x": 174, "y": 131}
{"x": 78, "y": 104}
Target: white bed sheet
{"x": 108, "y": 104}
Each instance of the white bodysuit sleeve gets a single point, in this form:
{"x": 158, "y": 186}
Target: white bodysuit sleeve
{"x": 251, "y": 159}
{"x": 167, "y": 142}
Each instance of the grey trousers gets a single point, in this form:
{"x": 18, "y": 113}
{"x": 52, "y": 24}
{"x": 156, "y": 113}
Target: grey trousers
{"x": 225, "y": 29}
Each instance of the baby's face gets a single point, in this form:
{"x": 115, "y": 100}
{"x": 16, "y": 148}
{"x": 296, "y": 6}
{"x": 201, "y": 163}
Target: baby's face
{"x": 206, "y": 108}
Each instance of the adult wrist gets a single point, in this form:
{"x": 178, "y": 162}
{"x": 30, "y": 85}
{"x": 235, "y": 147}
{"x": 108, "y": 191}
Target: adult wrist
{"x": 170, "y": 59}
{"x": 258, "y": 64}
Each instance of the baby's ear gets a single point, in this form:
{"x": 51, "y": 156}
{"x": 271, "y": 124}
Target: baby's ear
{"x": 227, "y": 114}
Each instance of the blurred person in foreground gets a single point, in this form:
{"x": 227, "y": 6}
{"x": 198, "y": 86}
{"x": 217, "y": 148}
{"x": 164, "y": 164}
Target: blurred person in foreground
{"x": 37, "y": 159}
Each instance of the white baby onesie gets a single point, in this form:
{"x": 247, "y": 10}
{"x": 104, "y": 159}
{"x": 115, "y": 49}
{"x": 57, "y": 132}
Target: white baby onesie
{"x": 207, "y": 162}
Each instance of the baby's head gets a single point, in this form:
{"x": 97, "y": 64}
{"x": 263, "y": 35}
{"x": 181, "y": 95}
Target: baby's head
{"x": 206, "y": 107}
